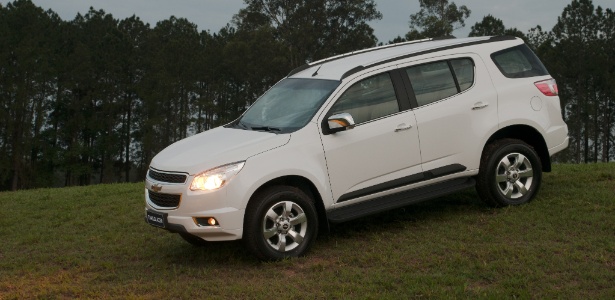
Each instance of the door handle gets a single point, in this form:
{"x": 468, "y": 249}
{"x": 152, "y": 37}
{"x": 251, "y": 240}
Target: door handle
{"x": 402, "y": 127}
{"x": 480, "y": 105}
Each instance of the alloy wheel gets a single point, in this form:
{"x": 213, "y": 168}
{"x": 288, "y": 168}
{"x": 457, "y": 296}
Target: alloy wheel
{"x": 285, "y": 226}
{"x": 514, "y": 175}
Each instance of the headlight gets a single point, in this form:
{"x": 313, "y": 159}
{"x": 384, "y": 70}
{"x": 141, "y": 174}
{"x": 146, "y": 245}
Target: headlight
{"x": 216, "y": 178}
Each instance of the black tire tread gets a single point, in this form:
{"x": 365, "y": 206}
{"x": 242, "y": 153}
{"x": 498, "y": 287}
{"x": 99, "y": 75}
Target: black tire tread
{"x": 483, "y": 185}
{"x": 252, "y": 238}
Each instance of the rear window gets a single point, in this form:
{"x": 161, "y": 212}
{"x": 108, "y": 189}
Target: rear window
{"x": 519, "y": 62}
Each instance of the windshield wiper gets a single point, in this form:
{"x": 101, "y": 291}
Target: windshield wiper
{"x": 242, "y": 125}
{"x": 266, "y": 128}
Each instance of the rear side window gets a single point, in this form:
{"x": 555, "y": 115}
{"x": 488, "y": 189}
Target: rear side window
{"x": 436, "y": 81}
{"x": 519, "y": 62}
{"x": 464, "y": 71}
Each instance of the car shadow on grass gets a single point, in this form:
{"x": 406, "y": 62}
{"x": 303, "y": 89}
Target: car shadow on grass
{"x": 446, "y": 207}
{"x": 235, "y": 253}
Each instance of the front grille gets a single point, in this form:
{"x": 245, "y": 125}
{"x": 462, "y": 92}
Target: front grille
{"x": 164, "y": 200}
{"x": 167, "y": 177}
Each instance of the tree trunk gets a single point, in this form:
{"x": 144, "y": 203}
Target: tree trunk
{"x": 127, "y": 141}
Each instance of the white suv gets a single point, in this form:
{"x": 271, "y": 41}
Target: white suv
{"x": 359, "y": 134}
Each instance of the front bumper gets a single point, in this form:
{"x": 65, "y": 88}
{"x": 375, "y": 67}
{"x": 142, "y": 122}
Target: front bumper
{"x": 178, "y": 224}
{"x": 193, "y": 205}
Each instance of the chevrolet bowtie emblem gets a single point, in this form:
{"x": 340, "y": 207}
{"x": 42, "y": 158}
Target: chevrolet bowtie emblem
{"x": 156, "y": 187}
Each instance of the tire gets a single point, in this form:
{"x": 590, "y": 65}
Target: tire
{"x": 192, "y": 239}
{"x": 510, "y": 173}
{"x": 280, "y": 222}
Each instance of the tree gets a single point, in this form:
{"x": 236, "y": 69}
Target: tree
{"x": 88, "y": 104}
{"x": 134, "y": 34}
{"x": 583, "y": 64}
{"x": 312, "y": 29}
{"x": 437, "y": 18}
{"x": 606, "y": 54}
{"x": 169, "y": 84}
{"x": 26, "y": 81}
{"x": 492, "y": 26}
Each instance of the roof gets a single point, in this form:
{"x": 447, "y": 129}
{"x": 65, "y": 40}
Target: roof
{"x": 338, "y": 67}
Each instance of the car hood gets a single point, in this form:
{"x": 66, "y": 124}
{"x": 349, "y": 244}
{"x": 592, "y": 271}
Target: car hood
{"x": 214, "y": 148}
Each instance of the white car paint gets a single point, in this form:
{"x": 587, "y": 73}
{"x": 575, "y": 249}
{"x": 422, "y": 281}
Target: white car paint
{"x": 450, "y": 131}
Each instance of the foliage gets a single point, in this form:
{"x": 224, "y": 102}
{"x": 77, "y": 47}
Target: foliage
{"x": 492, "y": 26}
{"x": 93, "y": 242}
{"x": 580, "y": 52}
{"x": 437, "y": 18}
{"x": 310, "y": 30}
{"x": 93, "y": 99}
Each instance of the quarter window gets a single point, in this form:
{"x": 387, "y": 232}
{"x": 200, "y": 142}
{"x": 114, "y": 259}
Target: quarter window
{"x": 368, "y": 99}
{"x": 519, "y": 62}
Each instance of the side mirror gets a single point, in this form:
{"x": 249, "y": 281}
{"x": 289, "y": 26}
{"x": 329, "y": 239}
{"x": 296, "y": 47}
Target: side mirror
{"x": 340, "y": 122}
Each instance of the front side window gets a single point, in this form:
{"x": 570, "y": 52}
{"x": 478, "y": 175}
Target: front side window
{"x": 287, "y": 106}
{"x": 368, "y": 99}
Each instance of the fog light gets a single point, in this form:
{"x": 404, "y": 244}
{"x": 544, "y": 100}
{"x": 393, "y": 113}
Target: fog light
{"x": 206, "y": 221}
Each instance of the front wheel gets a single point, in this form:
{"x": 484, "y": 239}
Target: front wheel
{"x": 280, "y": 222}
{"x": 510, "y": 173}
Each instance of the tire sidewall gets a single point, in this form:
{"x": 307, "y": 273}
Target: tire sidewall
{"x": 254, "y": 223}
{"x": 509, "y": 147}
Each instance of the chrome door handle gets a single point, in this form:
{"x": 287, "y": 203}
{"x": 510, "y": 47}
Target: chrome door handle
{"x": 479, "y": 105}
{"x": 402, "y": 127}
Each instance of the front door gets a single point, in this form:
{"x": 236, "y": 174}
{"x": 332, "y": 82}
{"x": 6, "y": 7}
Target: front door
{"x": 381, "y": 152}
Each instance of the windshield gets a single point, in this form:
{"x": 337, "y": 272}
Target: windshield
{"x": 287, "y": 106}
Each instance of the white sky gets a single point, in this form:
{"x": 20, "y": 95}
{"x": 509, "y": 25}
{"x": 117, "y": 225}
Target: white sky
{"x": 212, "y": 15}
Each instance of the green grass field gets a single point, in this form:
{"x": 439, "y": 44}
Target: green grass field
{"x": 92, "y": 242}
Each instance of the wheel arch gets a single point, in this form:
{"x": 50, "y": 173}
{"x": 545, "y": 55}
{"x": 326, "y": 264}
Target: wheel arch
{"x": 529, "y": 135}
{"x": 306, "y": 186}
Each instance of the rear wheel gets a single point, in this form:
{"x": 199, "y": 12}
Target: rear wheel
{"x": 280, "y": 222}
{"x": 510, "y": 173}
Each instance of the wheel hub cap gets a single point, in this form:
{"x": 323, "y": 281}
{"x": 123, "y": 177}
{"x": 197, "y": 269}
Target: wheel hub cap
{"x": 514, "y": 175}
{"x": 285, "y": 226}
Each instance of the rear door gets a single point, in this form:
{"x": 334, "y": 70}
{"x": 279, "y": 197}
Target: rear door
{"x": 455, "y": 104}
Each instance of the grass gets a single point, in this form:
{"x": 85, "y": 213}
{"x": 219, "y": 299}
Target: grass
{"x": 92, "y": 242}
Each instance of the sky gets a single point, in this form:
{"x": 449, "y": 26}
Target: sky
{"x": 212, "y": 15}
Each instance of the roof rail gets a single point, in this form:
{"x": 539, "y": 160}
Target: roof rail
{"x": 362, "y": 67}
{"x": 367, "y": 50}
{"x": 486, "y": 39}
{"x": 329, "y": 59}
{"x": 444, "y": 37}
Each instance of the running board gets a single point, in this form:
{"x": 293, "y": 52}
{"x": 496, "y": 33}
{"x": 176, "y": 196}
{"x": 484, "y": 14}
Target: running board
{"x": 398, "y": 200}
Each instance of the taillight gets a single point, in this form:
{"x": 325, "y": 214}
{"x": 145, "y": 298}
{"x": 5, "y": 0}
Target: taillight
{"x": 547, "y": 87}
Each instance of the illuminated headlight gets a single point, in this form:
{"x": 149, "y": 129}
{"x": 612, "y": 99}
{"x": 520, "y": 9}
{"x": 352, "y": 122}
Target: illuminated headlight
{"x": 216, "y": 178}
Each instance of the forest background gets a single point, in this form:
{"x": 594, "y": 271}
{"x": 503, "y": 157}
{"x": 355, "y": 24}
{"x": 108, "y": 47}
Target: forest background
{"x": 92, "y": 100}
